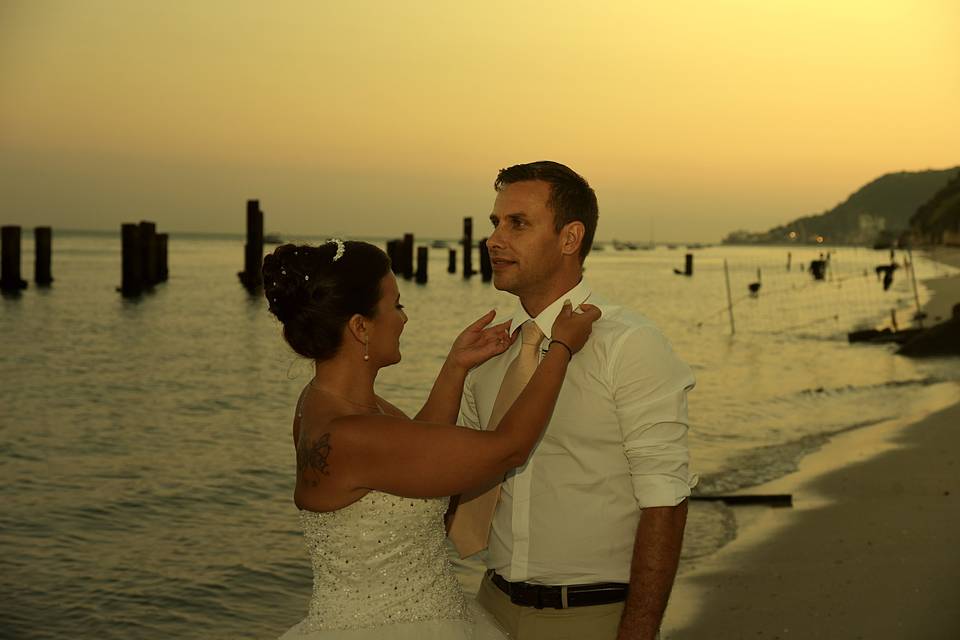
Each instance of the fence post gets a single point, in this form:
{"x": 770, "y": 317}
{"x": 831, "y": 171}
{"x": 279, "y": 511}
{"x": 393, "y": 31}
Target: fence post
{"x": 916, "y": 296}
{"x": 726, "y": 275}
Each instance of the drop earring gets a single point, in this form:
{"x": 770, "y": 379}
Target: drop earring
{"x": 366, "y": 347}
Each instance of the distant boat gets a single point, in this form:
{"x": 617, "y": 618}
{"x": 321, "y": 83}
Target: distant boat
{"x": 272, "y": 238}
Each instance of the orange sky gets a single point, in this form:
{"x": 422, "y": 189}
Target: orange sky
{"x": 374, "y": 118}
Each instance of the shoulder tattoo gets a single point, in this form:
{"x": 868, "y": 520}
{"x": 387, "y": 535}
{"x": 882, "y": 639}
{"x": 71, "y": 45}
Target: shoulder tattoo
{"x": 313, "y": 454}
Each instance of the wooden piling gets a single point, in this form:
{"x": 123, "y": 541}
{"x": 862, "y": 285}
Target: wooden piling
{"x": 251, "y": 276}
{"x": 423, "y": 255}
{"x": 10, "y": 280}
{"x": 393, "y": 252}
{"x": 467, "y": 243}
{"x": 148, "y": 253}
{"x": 407, "y": 249}
{"x": 162, "y": 244}
{"x": 42, "y": 241}
{"x": 789, "y": 260}
{"x": 452, "y": 261}
{"x": 486, "y": 269}
{"x": 131, "y": 284}
{"x": 688, "y": 267}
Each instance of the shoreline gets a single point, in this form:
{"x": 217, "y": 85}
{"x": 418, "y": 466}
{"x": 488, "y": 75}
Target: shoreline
{"x": 867, "y": 550}
{"x": 871, "y": 515}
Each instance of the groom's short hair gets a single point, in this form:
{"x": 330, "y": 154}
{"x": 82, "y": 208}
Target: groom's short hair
{"x": 571, "y": 197}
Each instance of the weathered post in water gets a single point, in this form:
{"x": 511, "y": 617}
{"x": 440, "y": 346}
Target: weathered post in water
{"x": 251, "y": 276}
{"x": 131, "y": 284}
{"x": 486, "y": 269}
{"x": 163, "y": 241}
{"x": 452, "y": 261}
{"x": 467, "y": 243}
{"x": 42, "y": 240}
{"x": 422, "y": 257}
{"x": 393, "y": 252}
{"x": 10, "y": 279}
{"x": 407, "y": 249}
{"x": 148, "y": 252}
{"x": 688, "y": 267}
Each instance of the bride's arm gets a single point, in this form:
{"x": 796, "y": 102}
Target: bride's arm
{"x": 475, "y": 345}
{"x": 443, "y": 403}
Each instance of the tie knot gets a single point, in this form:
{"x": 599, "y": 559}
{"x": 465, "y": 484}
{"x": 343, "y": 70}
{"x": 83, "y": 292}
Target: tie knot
{"x": 530, "y": 333}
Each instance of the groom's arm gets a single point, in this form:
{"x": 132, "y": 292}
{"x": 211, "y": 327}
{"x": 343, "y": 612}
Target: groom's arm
{"x": 656, "y": 553}
{"x": 650, "y": 391}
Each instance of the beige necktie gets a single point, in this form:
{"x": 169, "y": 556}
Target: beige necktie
{"x": 470, "y": 526}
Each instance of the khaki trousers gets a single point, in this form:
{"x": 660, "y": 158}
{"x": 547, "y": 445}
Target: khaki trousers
{"x": 596, "y": 622}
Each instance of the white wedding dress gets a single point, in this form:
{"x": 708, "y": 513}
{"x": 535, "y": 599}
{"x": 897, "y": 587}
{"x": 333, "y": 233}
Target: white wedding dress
{"x": 380, "y": 572}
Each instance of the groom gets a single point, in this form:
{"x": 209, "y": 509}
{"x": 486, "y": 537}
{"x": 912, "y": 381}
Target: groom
{"x": 585, "y": 538}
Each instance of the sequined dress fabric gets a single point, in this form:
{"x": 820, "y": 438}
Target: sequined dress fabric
{"x": 380, "y": 570}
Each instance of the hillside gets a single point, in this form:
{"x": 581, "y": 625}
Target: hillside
{"x": 938, "y": 220}
{"x": 880, "y": 208}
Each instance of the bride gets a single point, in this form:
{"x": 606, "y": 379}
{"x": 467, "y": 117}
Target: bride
{"x": 372, "y": 485}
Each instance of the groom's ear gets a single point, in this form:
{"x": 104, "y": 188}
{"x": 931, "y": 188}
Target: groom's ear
{"x": 572, "y": 237}
{"x": 357, "y": 326}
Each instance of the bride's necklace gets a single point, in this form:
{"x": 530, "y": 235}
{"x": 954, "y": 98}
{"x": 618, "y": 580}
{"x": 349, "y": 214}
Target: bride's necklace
{"x": 346, "y": 399}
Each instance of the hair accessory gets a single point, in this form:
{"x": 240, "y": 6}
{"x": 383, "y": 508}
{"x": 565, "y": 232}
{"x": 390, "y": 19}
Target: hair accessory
{"x": 341, "y": 247}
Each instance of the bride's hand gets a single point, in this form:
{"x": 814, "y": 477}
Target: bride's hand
{"x": 478, "y": 343}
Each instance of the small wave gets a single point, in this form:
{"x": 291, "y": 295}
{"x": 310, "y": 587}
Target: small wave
{"x": 889, "y": 384}
{"x": 770, "y": 462}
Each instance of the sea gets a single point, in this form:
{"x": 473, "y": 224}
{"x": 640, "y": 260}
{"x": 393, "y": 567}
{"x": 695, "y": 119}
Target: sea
{"x": 146, "y": 461}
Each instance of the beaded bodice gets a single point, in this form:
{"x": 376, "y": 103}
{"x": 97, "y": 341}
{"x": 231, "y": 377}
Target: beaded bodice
{"x": 380, "y": 560}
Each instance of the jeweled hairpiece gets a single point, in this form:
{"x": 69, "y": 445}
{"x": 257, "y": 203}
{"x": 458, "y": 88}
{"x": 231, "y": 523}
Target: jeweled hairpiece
{"x": 341, "y": 247}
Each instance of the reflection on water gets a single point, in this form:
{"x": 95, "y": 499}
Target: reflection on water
{"x": 145, "y": 446}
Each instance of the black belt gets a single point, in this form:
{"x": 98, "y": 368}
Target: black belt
{"x": 560, "y": 597}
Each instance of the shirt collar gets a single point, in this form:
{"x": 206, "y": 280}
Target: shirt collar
{"x": 545, "y": 319}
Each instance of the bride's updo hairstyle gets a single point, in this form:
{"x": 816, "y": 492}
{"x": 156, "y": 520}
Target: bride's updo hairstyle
{"x": 314, "y": 295}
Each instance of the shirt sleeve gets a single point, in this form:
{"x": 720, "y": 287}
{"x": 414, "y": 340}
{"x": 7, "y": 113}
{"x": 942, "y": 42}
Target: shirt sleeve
{"x": 650, "y": 386}
{"x": 468, "y": 406}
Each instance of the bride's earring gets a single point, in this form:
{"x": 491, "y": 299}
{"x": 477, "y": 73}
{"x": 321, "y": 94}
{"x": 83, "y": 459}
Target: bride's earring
{"x": 366, "y": 349}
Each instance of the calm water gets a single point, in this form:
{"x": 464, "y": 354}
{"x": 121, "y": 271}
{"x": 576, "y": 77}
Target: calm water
{"x": 145, "y": 449}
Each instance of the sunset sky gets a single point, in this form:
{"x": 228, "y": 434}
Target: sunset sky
{"x": 690, "y": 119}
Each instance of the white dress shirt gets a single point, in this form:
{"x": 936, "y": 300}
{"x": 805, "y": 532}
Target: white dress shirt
{"x": 616, "y": 444}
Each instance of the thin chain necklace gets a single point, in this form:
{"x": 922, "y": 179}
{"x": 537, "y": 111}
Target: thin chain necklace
{"x": 346, "y": 399}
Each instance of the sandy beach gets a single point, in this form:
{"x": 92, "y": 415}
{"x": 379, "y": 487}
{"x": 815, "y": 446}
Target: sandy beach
{"x": 869, "y": 549}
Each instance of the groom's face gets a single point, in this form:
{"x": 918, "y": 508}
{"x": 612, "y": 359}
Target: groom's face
{"x": 525, "y": 247}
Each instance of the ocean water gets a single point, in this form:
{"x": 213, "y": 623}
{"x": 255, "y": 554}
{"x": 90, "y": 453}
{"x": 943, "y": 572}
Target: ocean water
{"x": 146, "y": 461}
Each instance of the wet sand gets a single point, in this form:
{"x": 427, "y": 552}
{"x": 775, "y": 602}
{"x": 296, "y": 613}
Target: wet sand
{"x": 871, "y": 548}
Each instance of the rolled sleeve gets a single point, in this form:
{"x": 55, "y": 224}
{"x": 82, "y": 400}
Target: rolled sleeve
{"x": 650, "y": 392}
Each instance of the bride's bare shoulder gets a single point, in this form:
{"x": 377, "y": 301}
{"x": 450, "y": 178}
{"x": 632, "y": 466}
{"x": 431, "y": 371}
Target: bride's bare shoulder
{"x": 390, "y": 409}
